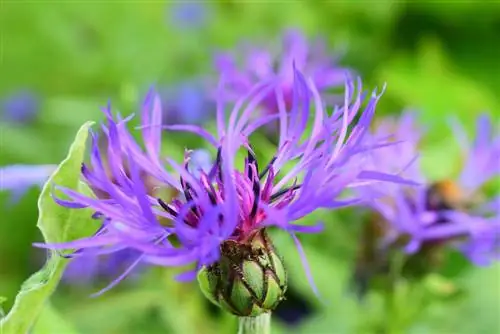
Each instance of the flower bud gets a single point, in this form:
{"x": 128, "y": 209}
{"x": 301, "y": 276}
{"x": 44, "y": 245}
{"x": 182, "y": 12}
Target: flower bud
{"x": 249, "y": 279}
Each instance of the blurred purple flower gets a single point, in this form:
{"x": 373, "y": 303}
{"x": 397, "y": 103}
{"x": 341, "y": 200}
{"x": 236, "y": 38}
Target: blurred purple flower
{"x": 439, "y": 212}
{"x": 187, "y": 103}
{"x": 482, "y": 156}
{"x": 84, "y": 270}
{"x": 19, "y": 178}
{"x": 189, "y": 15}
{"x": 484, "y": 245}
{"x": 226, "y": 203}
{"x": 20, "y": 107}
{"x": 401, "y": 157}
{"x": 260, "y": 64}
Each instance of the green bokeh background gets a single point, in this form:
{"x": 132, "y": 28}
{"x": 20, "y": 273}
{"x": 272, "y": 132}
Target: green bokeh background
{"x": 440, "y": 59}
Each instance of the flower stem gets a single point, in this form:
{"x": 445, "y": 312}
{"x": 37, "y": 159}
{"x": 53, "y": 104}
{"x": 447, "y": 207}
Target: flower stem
{"x": 255, "y": 325}
{"x": 393, "y": 319}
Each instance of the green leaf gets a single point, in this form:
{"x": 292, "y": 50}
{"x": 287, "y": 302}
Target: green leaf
{"x": 50, "y": 321}
{"x": 2, "y": 300}
{"x": 58, "y": 224}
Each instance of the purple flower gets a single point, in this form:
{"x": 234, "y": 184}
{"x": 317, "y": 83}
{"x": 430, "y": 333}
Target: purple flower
{"x": 310, "y": 169}
{"x": 482, "y": 161}
{"x": 189, "y": 14}
{"x": 20, "y": 107}
{"x": 401, "y": 155}
{"x": 84, "y": 270}
{"x": 260, "y": 64}
{"x": 19, "y": 178}
{"x": 186, "y": 103}
{"x": 483, "y": 246}
{"x": 438, "y": 212}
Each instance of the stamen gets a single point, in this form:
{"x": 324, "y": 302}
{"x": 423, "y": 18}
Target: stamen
{"x": 269, "y": 165}
{"x": 283, "y": 192}
{"x": 268, "y": 185}
{"x": 217, "y": 165}
{"x": 252, "y": 160}
{"x": 256, "y": 194}
{"x": 212, "y": 198}
{"x": 167, "y": 208}
{"x": 188, "y": 194}
{"x": 208, "y": 188}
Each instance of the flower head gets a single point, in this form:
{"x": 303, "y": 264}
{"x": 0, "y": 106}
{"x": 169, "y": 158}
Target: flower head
{"x": 228, "y": 203}
{"x": 260, "y": 64}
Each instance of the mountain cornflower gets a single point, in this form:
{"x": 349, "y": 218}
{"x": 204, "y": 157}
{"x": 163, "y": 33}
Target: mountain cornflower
{"x": 441, "y": 212}
{"x": 260, "y": 63}
{"x": 216, "y": 227}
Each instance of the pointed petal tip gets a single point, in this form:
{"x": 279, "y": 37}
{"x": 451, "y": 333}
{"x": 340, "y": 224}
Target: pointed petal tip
{"x": 151, "y": 93}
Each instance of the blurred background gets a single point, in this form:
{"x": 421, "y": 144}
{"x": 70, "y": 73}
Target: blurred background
{"x": 61, "y": 61}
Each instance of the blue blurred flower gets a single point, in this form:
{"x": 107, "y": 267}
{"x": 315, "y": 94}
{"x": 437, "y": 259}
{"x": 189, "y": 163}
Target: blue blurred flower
{"x": 224, "y": 203}
{"x": 189, "y": 15}
{"x": 186, "y": 103}
{"x": 20, "y": 107}
{"x": 19, "y": 178}
{"x": 87, "y": 269}
{"x": 441, "y": 212}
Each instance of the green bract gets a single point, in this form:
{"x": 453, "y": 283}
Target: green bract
{"x": 58, "y": 224}
{"x": 249, "y": 279}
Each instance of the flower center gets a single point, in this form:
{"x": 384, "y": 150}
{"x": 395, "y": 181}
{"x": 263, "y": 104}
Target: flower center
{"x": 254, "y": 190}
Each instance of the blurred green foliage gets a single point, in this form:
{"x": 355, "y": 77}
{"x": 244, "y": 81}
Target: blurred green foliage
{"x": 438, "y": 58}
